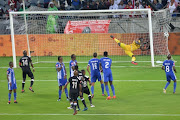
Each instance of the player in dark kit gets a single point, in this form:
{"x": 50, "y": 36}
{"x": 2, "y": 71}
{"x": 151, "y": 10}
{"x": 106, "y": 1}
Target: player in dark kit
{"x": 85, "y": 89}
{"x": 74, "y": 90}
{"x": 24, "y": 64}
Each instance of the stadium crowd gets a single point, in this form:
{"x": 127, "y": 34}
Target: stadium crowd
{"x": 17, "y": 5}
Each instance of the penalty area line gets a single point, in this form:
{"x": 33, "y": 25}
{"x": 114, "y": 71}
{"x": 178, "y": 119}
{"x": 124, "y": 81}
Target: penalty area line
{"x": 1, "y": 114}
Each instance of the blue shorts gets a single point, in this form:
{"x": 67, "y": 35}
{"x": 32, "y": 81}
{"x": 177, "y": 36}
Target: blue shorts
{"x": 95, "y": 77}
{"x": 62, "y": 82}
{"x": 170, "y": 77}
{"x": 13, "y": 86}
{"x": 107, "y": 77}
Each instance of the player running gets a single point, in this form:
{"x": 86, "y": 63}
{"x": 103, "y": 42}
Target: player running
{"x": 72, "y": 63}
{"x": 137, "y": 44}
{"x": 95, "y": 73}
{"x": 105, "y": 65}
{"x": 169, "y": 67}
{"x": 85, "y": 89}
{"x": 24, "y": 64}
{"x": 11, "y": 82}
{"x": 74, "y": 90}
{"x": 61, "y": 76}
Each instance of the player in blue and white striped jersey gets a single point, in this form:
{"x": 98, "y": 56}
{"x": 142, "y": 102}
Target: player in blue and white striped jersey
{"x": 61, "y": 76}
{"x": 72, "y": 64}
{"x": 11, "y": 82}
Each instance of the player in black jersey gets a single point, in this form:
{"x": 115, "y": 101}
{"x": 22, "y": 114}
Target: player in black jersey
{"x": 75, "y": 86}
{"x": 85, "y": 89}
{"x": 80, "y": 76}
{"x": 24, "y": 64}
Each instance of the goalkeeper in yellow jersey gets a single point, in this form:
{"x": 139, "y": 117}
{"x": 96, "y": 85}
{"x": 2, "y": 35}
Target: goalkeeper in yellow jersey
{"x": 136, "y": 44}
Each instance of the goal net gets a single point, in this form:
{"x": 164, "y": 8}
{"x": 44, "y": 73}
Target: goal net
{"x": 48, "y": 34}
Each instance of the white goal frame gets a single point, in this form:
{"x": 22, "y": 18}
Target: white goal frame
{"x": 80, "y": 11}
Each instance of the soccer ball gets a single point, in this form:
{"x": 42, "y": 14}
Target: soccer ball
{"x": 166, "y": 34}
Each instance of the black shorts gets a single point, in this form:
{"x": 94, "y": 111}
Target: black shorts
{"x": 73, "y": 96}
{"x": 86, "y": 91}
{"x": 29, "y": 73}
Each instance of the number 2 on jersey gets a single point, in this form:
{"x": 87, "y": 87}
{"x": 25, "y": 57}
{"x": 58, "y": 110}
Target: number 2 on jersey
{"x": 106, "y": 64}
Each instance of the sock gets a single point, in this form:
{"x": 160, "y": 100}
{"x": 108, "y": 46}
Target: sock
{"x": 107, "y": 90}
{"x": 74, "y": 106}
{"x": 133, "y": 59}
{"x": 60, "y": 94}
{"x": 167, "y": 84}
{"x": 66, "y": 92}
{"x": 113, "y": 90}
{"x": 84, "y": 103}
{"x": 77, "y": 104}
{"x": 9, "y": 95}
{"x": 71, "y": 104}
{"x": 92, "y": 90}
{"x": 90, "y": 100}
{"x": 102, "y": 87}
{"x": 32, "y": 81}
{"x": 23, "y": 83}
{"x": 15, "y": 96}
{"x": 174, "y": 87}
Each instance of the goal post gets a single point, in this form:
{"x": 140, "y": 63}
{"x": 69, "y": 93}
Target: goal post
{"x": 84, "y": 32}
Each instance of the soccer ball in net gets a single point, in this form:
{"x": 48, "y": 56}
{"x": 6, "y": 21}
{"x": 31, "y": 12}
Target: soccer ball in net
{"x": 166, "y": 34}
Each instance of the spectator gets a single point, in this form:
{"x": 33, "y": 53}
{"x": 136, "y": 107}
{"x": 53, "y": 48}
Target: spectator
{"x": 178, "y": 9}
{"x": 157, "y": 4}
{"x": 172, "y": 6}
{"x": 57, "y": 4}
{"x": 130, "y": 5}
{"x": 87, "y": 6}
{"x": 1, "y": 13}
{"x": 33, "y": 2}
{"x": 76, "y": 4}
{"x": 121, "y": 5}
{"x": 46, "y": 3}
{"x": 102, "y": 5}
{"x": 52, "y": 7}
{"x": 138, "y": 5}
{"x": 107, "y": 3}
{"x": 113, "y": 6}
{"x": 13, "y": 1}
{"x": 94, "y": 5}
{"x": 12, "y": 9}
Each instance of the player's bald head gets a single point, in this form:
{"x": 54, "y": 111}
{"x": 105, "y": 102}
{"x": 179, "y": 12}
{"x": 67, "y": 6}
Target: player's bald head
{"x": 75, "y": 73}
{"x": 169, "y": 56}
{"x": 25, "y": 53}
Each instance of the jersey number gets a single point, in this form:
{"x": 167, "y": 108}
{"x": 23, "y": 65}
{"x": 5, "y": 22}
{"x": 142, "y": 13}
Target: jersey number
{"x": 25, "y": 62}
{"x": 167, "y": 68}
{"x": 74, "y": 85}
{"x": 106, "y": 64}
{"x": 94, "y": 65}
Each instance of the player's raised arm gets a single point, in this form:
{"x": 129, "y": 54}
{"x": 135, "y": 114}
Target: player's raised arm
{"x": 117, "y": 41}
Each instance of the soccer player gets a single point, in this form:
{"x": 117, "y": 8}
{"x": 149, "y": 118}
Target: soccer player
{"x": 72, "y": 63}
{"x": 61, "y": 76}
{"x": 24, "y": 64}
{"x": 80, "y": 76}
{"x": 169, "y": 67}
{"x": 74, "y": 90}
{"x": 137, "y": 44}
{"x": 105, "y": 65}
{"x": 85, "y": 89}
{"x": 11, "y": 82}
{"x": 95, "y": 73}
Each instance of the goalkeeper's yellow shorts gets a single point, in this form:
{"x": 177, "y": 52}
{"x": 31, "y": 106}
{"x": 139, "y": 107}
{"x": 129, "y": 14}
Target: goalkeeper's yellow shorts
{"x": 127, "y": 49}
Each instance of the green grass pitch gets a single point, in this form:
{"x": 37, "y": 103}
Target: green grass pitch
{"x": 140, "y": 99}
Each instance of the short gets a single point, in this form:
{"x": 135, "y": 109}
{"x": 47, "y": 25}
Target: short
{"x": 127, "y": 49}
{"x": 107, "y": 77}
{"x": 12, "y": 87}
{"x": 62, "y": 82}
{"x": 170, "y": 77}
{"x": 29, "y": 73}
{"x": 95, "y": 77}
{"x": 86, "y": 91}
{"x": 73, "y": 96}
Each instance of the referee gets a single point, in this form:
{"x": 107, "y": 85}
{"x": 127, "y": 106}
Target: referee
{"x": 24, "y": 64}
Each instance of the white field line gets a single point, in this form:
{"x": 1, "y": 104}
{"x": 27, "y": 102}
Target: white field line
{"x": 113, "y": 80}
{"x": 6, "y": 114}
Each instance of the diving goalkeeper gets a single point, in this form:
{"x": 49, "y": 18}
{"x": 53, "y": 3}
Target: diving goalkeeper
{"x": 137, "y": 44}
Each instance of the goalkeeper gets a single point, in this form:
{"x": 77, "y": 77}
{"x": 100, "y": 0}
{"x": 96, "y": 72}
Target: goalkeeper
{"x": 137, "y": 44}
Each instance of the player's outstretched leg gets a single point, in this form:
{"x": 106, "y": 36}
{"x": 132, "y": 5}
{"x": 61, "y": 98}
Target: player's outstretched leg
{"x": 102, "y": 87}
{"x": 174, "y": 91}
{"x": 84, "y": 103}
{"x": 31, "y": 84}
{"x": 107, "y": 90}
{"x": 167, "y": 84}
{"x": 15, "y": 95}
{"x": 133, "y": 60}
{"x": 113, "y": 90}
{"x": 9, "y": 96}
{"x": 60, "y": 91}
{"x": 23, "y": 84}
